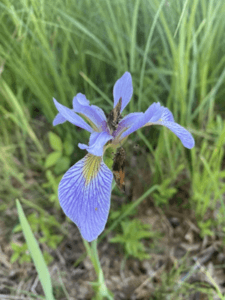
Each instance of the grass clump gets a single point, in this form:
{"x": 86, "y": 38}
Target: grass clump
{"x": 175, "y": 52}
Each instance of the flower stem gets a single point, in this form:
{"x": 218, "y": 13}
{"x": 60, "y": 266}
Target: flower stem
{"x": 100, "y": 286}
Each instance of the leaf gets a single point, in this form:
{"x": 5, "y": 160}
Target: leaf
{"x": 36, "y": 254}
{"x": 68, "y": 147}
{"x": 17, "y": 228}
{"x": 53, "y": 198}
{"x": 55, "y": 141}
{"x": 24, "y": 258}
{"x": 15, "y": 247}
{"x": 48, "y": 257}
{"x": 62, "y": 165}
{"x": 14, "y": 257}
{"x": 52, "y": 159}
{"x": 133, "y": 232}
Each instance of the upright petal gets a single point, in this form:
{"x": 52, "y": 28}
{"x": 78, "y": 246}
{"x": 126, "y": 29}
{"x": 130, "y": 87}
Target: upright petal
{"x": 70, "y": 116}
{"x": 153, "y": 113}
{"x": 93, "y": 113}
{"x": 96, "y": 143}
{"x": 123, "y": 89}
{"x": 84, "y": 195}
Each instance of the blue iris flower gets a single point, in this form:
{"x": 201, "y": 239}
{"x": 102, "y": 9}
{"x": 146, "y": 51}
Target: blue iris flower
{"x": 85, "y": 189}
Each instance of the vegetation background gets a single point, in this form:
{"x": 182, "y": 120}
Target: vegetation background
{"x": 165, "y": 238}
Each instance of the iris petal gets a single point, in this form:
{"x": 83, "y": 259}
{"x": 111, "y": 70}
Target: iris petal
{"x": 153, "y": 113}
{"x": 91, "y": 112}
{"x": 84, "y": 195}
{"x": 158, "y": 115}
{"x": 59, "y": 119}
{"x": 96, "y": 143}
{"x": 70, "y": 116}
{"x": 127, "y": 122}
{"x": 183, "y": 134}
{"x": 167, "y": 115}
{"x": 123, "y": 89}
{"x": 167, "y": 120}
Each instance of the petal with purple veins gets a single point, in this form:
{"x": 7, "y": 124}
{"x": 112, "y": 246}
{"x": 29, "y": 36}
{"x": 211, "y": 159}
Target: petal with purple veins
{"x": 93, "y": 113}
{"x": 164, "y": 115}
{"x": 127, "y": 122}
{"x": 71, "y": 116}
{"x": 167, "y": 120}
{"x": 183, "y": 134}
{"x": 167, "y": 115}
{"x": 84, "y": 195}
{"x": 152, "y": 114}
{"x": 96, "y": 143}
{"x": 123, "y": 89}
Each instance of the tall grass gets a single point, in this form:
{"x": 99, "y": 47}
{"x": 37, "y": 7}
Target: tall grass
{"x": 175, "y": 51}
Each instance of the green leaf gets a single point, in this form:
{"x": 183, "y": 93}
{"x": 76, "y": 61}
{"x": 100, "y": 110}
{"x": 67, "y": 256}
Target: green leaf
{"x": 55, "y": 141}
{"x": 24, "y": 258}
{"x": 17, "y": 228}
{"x": 131, "y": 238}
{"x": 68, "y": 147}
{"x": 52, "y": 159}
{"x": 14, "y": 246}
{"x": 14, "y": 257}
{"x": 36, "y": 254}
{"x": 53, "y": 198}
{"x": 62, "y": 165}
{"x": 48, "y": 257}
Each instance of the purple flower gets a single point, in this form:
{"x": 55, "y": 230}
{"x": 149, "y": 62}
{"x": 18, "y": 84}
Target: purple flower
{"x": 85, "y": 190}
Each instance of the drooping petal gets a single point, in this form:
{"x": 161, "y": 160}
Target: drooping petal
{"x": 183, "y": 134}
{"x": 153, "y": 113}
{"x": 59, "y": 119}
{"x": 123, "y": 89}
{"x": 93, "y": 113}
{"x": 167, "y": 115}
{"x": 167, "y": 120}
{"x": 84, "y": 195}
{"x": 96, "y": 143}
{"x": 71, "y": 116}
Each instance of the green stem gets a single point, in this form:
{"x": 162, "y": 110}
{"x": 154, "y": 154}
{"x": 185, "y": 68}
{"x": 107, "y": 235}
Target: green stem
{"x": 100, "y": 286}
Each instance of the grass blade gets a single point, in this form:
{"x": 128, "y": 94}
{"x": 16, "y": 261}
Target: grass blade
{"x": 36, "y": 254}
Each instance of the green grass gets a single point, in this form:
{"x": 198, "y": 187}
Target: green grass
{"x": 175, "y": 51}
{"x": 36, "y": 254}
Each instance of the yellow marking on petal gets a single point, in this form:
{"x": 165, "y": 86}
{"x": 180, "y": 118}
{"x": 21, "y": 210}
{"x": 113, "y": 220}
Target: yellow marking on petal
{"x": 91, "y": 123}
{"x": 91, "y": 167}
